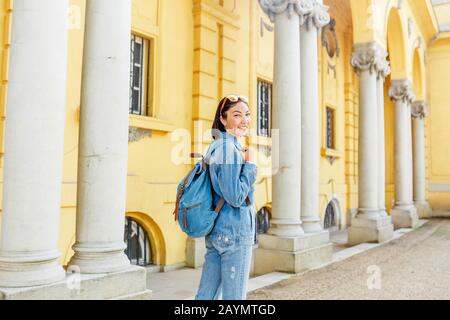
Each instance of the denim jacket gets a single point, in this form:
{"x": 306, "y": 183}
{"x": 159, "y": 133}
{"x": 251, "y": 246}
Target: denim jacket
{"x": 233, "y": 179}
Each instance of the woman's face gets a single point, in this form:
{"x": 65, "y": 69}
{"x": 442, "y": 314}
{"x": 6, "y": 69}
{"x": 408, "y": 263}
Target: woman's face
{"x": 238, "y": 120}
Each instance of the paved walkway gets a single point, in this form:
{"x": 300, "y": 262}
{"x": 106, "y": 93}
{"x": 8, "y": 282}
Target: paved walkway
{"x": 414, "y": 266}
{"x": 410, "y": 261}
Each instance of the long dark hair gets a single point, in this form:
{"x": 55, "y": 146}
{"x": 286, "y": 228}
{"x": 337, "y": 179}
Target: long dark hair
{"x": 218, "y": 126}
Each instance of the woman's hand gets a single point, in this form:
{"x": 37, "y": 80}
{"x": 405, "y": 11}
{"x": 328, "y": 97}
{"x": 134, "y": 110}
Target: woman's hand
{"x": 249, "y": 154}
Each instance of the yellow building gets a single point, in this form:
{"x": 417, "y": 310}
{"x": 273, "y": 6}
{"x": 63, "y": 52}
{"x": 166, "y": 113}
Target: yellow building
{"x": 187, "y": 54}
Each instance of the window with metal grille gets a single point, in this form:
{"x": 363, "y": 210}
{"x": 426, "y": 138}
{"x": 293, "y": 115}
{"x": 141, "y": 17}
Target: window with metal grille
{"x": 264, "y": 108}
{"x": 140, "y": 76}
{"x": 330, "y": 128}
{"x": 138, "y": 244}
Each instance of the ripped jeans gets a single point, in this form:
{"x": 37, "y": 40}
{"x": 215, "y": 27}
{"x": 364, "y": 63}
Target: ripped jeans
{"x": 226, "y": 269}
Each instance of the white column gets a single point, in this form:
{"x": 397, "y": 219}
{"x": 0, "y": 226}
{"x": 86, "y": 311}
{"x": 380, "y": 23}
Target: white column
{"x": 384, "y": 71}
{"x": 368, "y": 136}
{"x": 404, "y": 214}
{"x": 370, "y": 224}
{"x": 103, "y": 151}
{"x": 310, "y": 118}
{"x": 286, "y": 248}
{"x": 419, "y": 113}
{"x": 34, "y": 144}
{"x": 410, "y": 183}
{"x": 286, "y": 183}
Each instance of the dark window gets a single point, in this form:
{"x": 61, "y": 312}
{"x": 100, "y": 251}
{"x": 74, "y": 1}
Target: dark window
{"x": 262, "y": 221}
{"x": 330, "y": 217}
{"x": 330, "y": 129}
{"x": 140, "y": 76}
{"x": 264, "y": 108}
{"x": 138, "y": 245}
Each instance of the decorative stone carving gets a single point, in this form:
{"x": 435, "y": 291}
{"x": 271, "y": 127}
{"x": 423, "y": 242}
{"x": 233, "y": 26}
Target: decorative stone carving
{"x": 330, "y": 39}
{"x": 319, "y": 16}
{"x": 410, "y": 27}
{"x": 418, "y": 43}
{"x": 332, "y": 68}
{"x": 419, "y": 109}
{"x": 136, "y": 134}
{"x": 401, "y": 90}
{"x": 266, "y": 26}
{"x": 384, "y": 67}
{"x": 274, "y": 7}
{"x": 303, "y": 9}
{"x": 370, "y": 56}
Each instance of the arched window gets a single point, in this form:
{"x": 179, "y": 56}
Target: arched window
{"x": 138, "y": 244}
{"x": 330, "y": 217}
{"x": 263, "y": 221}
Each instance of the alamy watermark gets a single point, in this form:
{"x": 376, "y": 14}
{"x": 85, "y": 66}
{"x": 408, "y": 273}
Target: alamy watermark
{"x": 374, "y": 280}
{"x": 73, "y": 278}
{"x": 74, "y": 21}
{"x": 183, "y": 145}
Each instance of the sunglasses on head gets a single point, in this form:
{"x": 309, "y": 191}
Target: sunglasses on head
{"x": 233, "y": 99}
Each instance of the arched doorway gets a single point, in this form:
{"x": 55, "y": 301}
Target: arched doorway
{"x": 395, "y": 36}
{"x": 330, "y": 217}
{"x": 138, "y": 244}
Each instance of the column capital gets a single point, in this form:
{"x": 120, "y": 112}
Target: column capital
{"x": 274, "y": 7}
{"x": 419, "y": 109}
{"x": 384, "y": 67}
{"x": 401, "y": 90}
{"x": 370, "y": 56}
{"x": 319, "y": 16}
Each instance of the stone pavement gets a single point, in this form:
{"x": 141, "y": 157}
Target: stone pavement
{"x": 346, "y": 276}
{"x": 414, "y": 266}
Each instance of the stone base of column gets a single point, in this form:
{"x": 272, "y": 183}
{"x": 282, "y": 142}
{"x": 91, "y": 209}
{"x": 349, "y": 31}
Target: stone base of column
{"x": 404, "y": 217}
{"x": 311, "y": 224}
{"x": 195, "y": 252}
{"x": 292, "y": 255}
{"x": 23, "y": 270}
{"x": 130, "y": 284}
{"x": 423, "y": 210}
{"x": 96, "y": 259}
{"x": 442, "y": 213}
{"x": 367, "y": 230}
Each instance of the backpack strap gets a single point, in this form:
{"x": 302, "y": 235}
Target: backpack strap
{"x": 205, "y": 167}
{"x": 222, "y": 202}
{"x": 220, "y": 205}
{"x": 199, "y": 155}
{"x": 179, "y": 195}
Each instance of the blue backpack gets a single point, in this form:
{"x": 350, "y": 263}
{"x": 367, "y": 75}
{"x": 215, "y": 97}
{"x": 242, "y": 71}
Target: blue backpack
{"x": 195, "y": 200}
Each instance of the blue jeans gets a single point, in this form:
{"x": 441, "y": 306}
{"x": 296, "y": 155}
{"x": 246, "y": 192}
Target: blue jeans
{"x": 226, "y": 269}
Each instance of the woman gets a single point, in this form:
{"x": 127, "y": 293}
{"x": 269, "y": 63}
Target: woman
{"x": 233, "y": 173}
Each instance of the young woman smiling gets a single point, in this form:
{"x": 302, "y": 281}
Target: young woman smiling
{"x": 233, "y": 173}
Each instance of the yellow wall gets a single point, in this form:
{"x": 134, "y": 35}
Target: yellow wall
{"x": 443, "y": 13}
{"x": 203, "y": 51}
{"x": 5, "y": 20}
{"x": 152, "y": 176}
{"x": 439, "y": 134}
